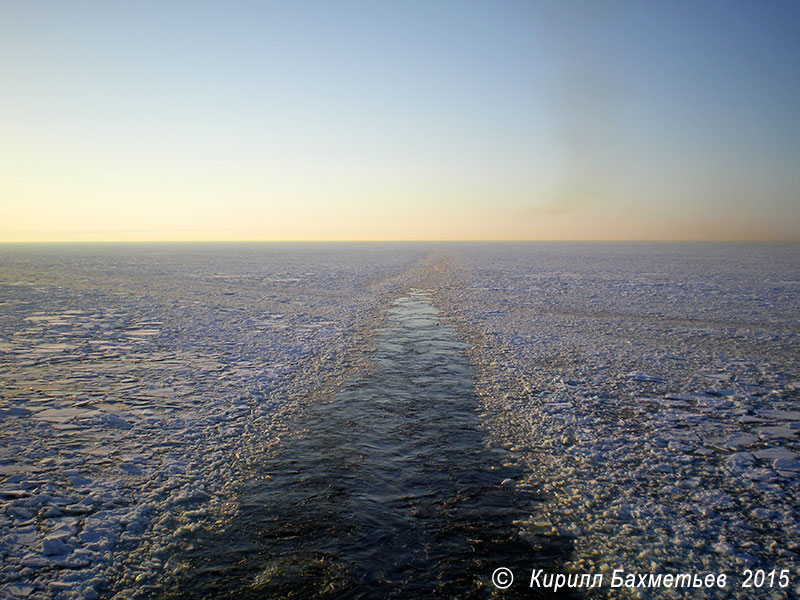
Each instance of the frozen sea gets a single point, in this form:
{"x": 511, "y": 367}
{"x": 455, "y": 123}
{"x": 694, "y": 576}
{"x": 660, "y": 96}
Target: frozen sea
{"x": 396, "y": 420}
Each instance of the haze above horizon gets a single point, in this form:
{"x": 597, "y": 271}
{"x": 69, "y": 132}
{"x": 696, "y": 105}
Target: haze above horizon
{"x": 323, "y": 121}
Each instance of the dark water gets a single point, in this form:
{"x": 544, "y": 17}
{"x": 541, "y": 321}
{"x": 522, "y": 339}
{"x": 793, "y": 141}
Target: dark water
{"x": 389, "y": 492}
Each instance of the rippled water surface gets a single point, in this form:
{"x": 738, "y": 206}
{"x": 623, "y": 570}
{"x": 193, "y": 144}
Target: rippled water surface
{"x": 388, "y": 491}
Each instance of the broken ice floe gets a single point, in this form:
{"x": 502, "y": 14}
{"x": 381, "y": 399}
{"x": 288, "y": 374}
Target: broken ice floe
{"x": 136, "y": 387}
{"x": 682, "y": 430}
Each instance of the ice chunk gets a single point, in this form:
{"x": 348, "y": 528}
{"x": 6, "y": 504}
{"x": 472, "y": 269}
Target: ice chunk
{"x": 771, "y": 433}
{"x": 740, "y": 460}
{"x": 62, "y": 415}
{"x": 784, "y": 464}
{"x": 131, "y": 468}
{"x": 740, "y": 441}
{"x": 645, "y": 377}
{"x": 15, "y": 494}
{"x": 112, "y": 420}
{"x": 782, "y": 415}
{"x": 749, "y": 419}
{"x": 776, "y": 453}
{"x": 55, "y": 546}
{"x": 19, "y": 590}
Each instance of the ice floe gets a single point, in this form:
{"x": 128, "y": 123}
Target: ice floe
{"x": 139, "y": 383}
{"x": 650, "y": 391}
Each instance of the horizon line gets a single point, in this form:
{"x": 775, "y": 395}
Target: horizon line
{"x": 414, "y": 241}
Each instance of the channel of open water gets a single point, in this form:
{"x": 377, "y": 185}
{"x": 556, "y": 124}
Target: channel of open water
{"x": 390, "y": 492}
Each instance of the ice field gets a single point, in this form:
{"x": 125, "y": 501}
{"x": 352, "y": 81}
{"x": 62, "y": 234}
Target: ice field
{"x": 651, "y": 392}
{"x": 638, "y": 403}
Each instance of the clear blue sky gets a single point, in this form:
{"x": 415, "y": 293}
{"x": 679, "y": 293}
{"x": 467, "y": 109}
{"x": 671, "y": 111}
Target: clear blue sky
{"x": 399, "y": 120}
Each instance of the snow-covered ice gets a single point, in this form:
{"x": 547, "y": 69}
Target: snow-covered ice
{"x": 136, "y": 381}
{"x": 650, "y": 390}
{"x": 648, "y": 393}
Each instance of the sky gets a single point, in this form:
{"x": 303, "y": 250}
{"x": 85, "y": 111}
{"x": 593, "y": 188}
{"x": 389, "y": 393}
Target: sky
{"x": 412, "y": 120}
